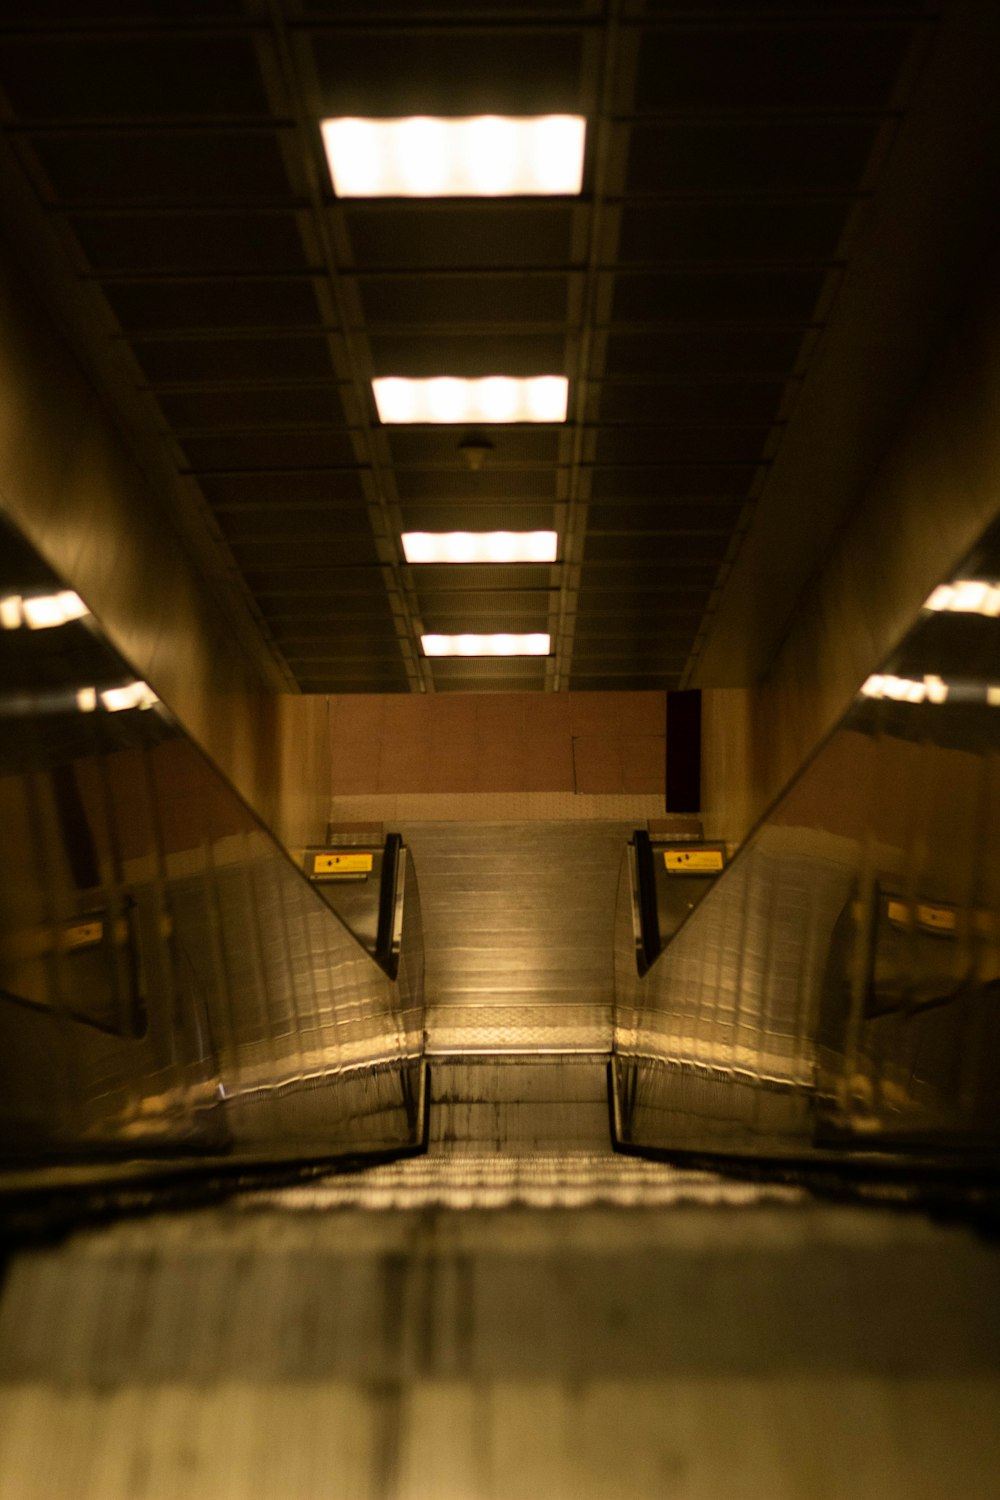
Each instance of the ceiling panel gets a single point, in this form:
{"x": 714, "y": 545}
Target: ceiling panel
{"x": 176, "y": 162}
{"x": 473, "y": 516}
{"x": 197, "y": 361}
{"x": 290, "y": 450}
{"x": 433, "y": 71}
{"x": 288, "y": 525}
{"x": 700, "y": 350}
{"x": 738, "y": 156}
{"x": 812, "y": 67}
{"x": 664, "y": 444}
{"x": 716, "y": 296}
{"x": 501, "y": 352}
{"x": 278, "y": 487}
{"x": 189, "y": 166}
{"x": 85, "y": 77}
{"x": 698, "y": 551}
{"x": 181, "y": 305}
{"x": 650, "y": 480}
{"x": 239, "y": 241}
{"x": 504, "y": 446}
{"x": 464, "y": 299}
{"x": 718, "y": 517}
{"x": 719, "y": 231}
{"x": 667, "y": 403}
{"x": 308, "y": 406}
{"x": 414, "y": 235}
{"x": 452, "y": 484}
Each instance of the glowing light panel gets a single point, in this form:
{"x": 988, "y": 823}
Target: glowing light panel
{"x": 480, "y": 546}
{"x": 538, "y": 644}
{"x": 969, "y": 596}
{"x": 42, "y": 612}
{"x": 929, "y": 689}
{"x": 479, "y": 156}
{"x": 492, "y": 399}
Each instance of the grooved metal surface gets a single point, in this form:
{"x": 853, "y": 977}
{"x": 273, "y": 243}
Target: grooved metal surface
{"x": 538, "y": 1179}
{"x": 792, "y": 1351}
{"x": 836, "y": 990}
{"x": 518, "y": 921}
{"x": 519, "y": 1106}
{"x": 169, "y": 980}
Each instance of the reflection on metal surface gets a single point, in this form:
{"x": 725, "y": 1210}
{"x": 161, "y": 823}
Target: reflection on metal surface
{"x": 543, "y": 1179}
{"x": 836, "y": 993}
{"x": 518, "y": 919}
{"x": 169, "y": 981}
{"x": 41, "y": 611}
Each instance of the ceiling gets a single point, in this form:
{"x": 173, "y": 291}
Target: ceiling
{"x": 174, "y": 147}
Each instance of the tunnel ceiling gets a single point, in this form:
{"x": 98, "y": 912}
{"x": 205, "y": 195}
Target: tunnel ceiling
{"x": 175, "y": 151}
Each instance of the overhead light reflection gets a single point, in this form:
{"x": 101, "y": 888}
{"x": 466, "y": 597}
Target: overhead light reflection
{"x": 116, "y": 700}
{"x": 41, "y": 611}
{"x": 132, "y": 695}
{"x": 84, "y": 700}
{"x": 967, "y": 596}
{"x": 929, "y": 689}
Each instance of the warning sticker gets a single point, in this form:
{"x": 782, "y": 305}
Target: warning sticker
{"x": 693, "y": 861}
{"x": 341, "y": 864}
{"x": 925, "y": 914}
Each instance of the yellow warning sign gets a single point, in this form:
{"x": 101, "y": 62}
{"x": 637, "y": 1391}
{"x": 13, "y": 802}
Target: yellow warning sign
{"x": 930, "y": 917}
{"x": 693, "y": 861}
{"x": 82, "y": 935}
{"x": 937, "y": 918}
{"x": 342, "y": 864}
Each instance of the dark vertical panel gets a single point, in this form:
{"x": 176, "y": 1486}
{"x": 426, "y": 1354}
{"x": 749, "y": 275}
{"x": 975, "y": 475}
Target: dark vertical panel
{"x": 683, "y": 790}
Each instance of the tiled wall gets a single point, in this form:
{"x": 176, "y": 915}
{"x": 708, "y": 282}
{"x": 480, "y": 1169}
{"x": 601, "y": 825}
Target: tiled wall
{"x": 582, "y": 744}
{"x": 70, "y": 482}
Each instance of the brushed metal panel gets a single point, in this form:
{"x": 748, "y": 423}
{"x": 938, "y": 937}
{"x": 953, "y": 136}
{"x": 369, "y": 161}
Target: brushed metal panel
{"x": 835, "y": 992}
{"x": 168, "y": 978}
{"x": 517, "y": 919}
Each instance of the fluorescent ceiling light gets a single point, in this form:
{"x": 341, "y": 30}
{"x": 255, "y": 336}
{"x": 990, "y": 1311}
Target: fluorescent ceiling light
{"x": 480, "y": 156}
{"x": 493, "y": 398}
{"x": 41, "y": 612}
{"x": 969, "y": 596}
{"x": 479, "y": 546}
{"x": 538, "y": 644}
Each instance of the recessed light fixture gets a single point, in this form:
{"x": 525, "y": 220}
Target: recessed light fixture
{"x": 480, "y": 156}
{"x": 480, "y": 546}
{"x": 493, "y": 398}
{"x": 537, "y": 644}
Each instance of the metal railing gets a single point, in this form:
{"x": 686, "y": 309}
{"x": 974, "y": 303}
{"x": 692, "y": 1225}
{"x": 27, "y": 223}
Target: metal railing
{"x": 837, "y": 992}
{"x": 170, "y": 983}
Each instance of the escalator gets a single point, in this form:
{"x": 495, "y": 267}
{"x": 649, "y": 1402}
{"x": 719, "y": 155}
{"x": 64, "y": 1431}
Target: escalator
{"x": 832, "y": 998}
{"x": 174, "y": 993}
